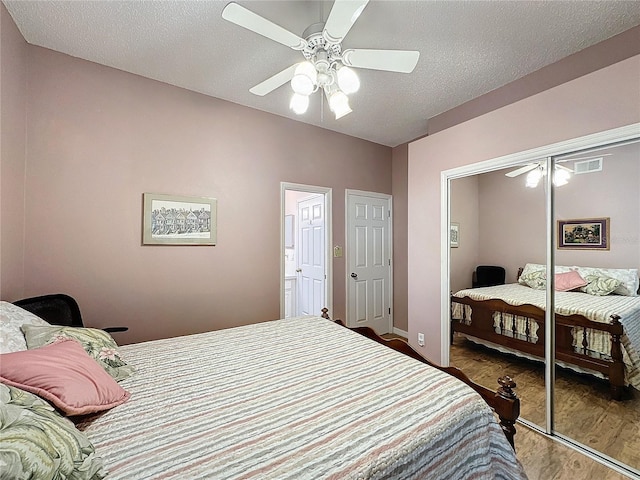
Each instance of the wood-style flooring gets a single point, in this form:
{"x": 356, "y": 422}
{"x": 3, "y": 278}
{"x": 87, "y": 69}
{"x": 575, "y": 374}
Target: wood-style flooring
{"x": 546, "y": 459}
{"x": 584, "y": 412}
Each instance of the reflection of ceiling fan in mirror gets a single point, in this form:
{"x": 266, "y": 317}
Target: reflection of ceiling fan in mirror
{"x": 535, "y": 171}
{"x": 326, "y": 64}
{"x": 561, "y": 174}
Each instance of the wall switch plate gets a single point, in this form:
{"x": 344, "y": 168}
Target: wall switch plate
{"x": 421, "y": 339}
{"x": 337, "y": 251}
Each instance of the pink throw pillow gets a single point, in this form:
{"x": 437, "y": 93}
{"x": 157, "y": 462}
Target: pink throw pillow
{"x": 568, "y": 281}
{"x": 64, "y": 374}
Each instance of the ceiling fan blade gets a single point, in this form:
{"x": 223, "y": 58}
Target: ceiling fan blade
{"x": 521, "y": 170}
{"x": 239, "y": 15}
{"x": 271, "y": 83}
{"x": 342, "y": 16}
{"x": 403, "y": 61}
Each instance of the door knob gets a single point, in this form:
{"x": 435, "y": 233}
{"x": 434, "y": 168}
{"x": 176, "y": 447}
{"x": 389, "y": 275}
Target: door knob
{"x": 298, "y": 270}
{"x": 354, "y": 275}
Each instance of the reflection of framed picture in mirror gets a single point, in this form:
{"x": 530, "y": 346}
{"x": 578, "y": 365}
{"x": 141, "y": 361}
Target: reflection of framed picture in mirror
{"x": 584, "y": 234}
{"x": 288, "y": 231}
{"x": 454, "y": 236}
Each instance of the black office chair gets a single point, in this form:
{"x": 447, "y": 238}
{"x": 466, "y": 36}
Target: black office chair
{"x": 58, "y": 309}
{"x": 488, "y": 276}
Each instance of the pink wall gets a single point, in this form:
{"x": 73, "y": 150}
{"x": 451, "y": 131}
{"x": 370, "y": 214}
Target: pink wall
{"x": 512, "y": 222}
{"x": 98, "y": 138}
{"x": 612, "y": 193}
{"x": 605, "y": 99}
{"x": 13, "y": 83}
{"x": 512, "y": 217}
{"x": 465, "y": 212}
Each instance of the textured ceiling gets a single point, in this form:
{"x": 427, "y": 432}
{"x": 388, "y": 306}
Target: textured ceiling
{"x": 467, "y": 48}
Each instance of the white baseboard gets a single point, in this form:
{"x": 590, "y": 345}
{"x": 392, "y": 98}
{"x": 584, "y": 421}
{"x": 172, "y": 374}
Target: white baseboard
{"x": 402, "y": 333}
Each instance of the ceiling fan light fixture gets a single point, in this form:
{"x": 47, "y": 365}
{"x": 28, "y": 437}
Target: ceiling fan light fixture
{"x": 339, "y": 103}
{"x": 560, "y": 177}
{"x": 342, "y": 111}
{"x": 533, "y": 177}
{"x": 299, "y": 103}
{"x": 348, "y": 80}
{"x": 325, "y": 59}
{"x": 304, "y": 78}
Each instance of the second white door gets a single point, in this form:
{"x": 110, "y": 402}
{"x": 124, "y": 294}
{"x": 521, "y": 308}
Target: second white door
{"x": 369, "y": 286}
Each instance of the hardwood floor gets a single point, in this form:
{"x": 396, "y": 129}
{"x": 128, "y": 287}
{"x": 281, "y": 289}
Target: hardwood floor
{"x": 584, "y": 412}
{"x": 546, "y": 459}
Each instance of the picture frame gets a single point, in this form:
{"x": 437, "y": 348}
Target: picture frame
{"x": 584, "y": 234}
{"x": 454, "y": 235}
{"x": 179, "y": 220}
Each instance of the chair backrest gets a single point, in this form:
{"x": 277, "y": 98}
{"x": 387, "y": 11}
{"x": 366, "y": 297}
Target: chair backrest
{"x": 488, "y": 276}
{"x": 57, "y": 309}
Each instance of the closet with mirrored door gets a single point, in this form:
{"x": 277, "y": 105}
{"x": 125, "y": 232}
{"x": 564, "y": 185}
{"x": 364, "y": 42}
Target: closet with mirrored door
{"x": 543, "y": 263}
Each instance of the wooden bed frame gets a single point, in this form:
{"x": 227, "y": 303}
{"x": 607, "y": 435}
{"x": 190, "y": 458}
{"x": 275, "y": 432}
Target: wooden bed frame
{"x": 504, "y": 402}
{"x": 482, "y": 327}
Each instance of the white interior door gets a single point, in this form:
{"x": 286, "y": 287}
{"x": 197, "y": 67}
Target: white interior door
{"x": 311, "y": 275}
{"x": 369, "y": 286}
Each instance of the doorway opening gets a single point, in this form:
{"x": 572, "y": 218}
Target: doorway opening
{"x": 305, "y": 266}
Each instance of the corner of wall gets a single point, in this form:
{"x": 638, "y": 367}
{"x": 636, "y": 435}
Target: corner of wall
{"x": 13, "y": 78}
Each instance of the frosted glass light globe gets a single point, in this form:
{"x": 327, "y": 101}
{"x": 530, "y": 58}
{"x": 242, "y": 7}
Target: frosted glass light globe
{"x": 533, "y": 177}
{"x": 339, "y": 104}
{"x": 304, "y": 78}
{"x": 560, "y": 177}
{"x": 348, "y": 81}
{"x": 299, "y": 103}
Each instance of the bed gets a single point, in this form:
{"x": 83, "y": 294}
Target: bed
{"x": 295, "y": 398}
{"x": 595, "y": 334}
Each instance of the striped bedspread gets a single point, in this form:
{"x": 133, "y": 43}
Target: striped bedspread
{"x": 301, "y": 398}
{"x": 598, "y": 309}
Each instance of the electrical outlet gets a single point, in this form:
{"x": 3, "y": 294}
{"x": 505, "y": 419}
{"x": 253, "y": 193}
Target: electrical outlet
{"x": 421, "y": 339}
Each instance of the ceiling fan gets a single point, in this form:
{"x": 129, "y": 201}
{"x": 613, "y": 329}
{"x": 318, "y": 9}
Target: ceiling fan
{"x": 326, "y": 66}
{"x": 561, "y": 174}
{"x": 537, "y": 170}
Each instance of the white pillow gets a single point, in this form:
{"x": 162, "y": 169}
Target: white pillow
{"x": 12, "y": 318}
{"x": 628, "y": 278}
{"x": 530, "y": 268}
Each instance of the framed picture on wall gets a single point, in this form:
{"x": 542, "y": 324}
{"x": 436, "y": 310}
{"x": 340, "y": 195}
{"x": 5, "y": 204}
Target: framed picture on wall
{"x": 454, "y": 236}
{"x": 583, "y": 234}
{"x": 178, "y": 220}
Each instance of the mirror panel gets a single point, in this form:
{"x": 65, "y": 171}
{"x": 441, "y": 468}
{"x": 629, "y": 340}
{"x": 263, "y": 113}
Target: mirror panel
{"x": 597, "y": 215}
{"x": 593, "y": 222}
{"x": 501, "y": 223}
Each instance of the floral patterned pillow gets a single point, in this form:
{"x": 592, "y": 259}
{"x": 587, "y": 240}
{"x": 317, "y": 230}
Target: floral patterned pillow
{"x": 599, "y": 285}
{"x": 38, "y": 442}
{"x": 627, "y": 278}
{"x": 12, "y": 318}
{"x": 97, "y": 343}
{"x": 535, "y": 279}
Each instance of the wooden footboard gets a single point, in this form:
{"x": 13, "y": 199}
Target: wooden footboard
{"x": 504, "y": 402}
{"x": 481, "y": 324}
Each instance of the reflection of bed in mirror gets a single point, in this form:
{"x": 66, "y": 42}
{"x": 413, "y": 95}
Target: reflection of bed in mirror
{"x": 595, "y": 334}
